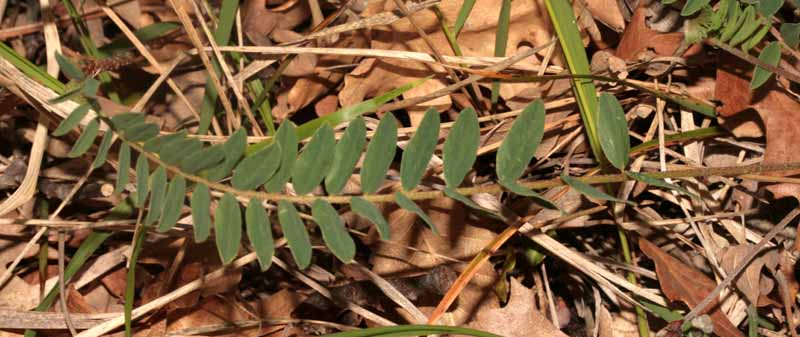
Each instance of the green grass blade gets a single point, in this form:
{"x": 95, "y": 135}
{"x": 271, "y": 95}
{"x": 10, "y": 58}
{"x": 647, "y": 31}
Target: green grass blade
{"x": 463, "y": 15}
{"x": 222, "y": 35}
{"x": 501, "y": 42}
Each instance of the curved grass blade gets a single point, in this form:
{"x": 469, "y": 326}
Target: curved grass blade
{"x": 613, "y": 129}
{"x": 589, "y": 190}
{"x": 203, "y": 159}
{"x": 643, "y": 177}
{"x": 348, "y": 151}
{"x": 259, "y": 230}
{"x": 500, "y": 42}
{"x": 257, "y": 169}
{"x": 367, "y": 210}
{"x": 141, "y": 132}
{"x": 142, "y": 173}
{"x": 460, "y": 147}
{"x": 85, "y": 140}
{"x": 518, "y": 189}
{"x": 379, "y": 156}
{"x": 201, "y": 215}
{"x": 72, "y": 120}
{"x": 228, "y": 228}
{"x": 295, "y": 232}
{"x": 409, "y": 205}
{"x": 463, "y": 15}
{"x": 158, "y": 186}
{"x": 313, "y": 163}
{"x": 333, "y": 231}
{"x": 287, "y": 138}
{"x": 174, "y": 152}
{"x": 102, "y": 150}
{"x": 419, "y": 150}
{"x": 520, "y": 144}
{"x": 124, "y": 158}
{"x": 234, "y": 150}
{"x": 155, "y": 144}
{"x": 172, "y": 204}
{"x": 771, "y": 54}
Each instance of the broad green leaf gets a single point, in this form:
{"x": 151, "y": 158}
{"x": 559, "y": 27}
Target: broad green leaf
{"x": 333, "y": 231}
{"x": 463, "y": 15}
{"x": 203, "y": 159}
{"x": 155, "y": 144}
{"x": 126, "y": 120}
{"x": 257, "y": 169}
{"x": 613, "y": 129}
{"x": 228, "y": 228}
{"x": 174, "y": 152}
{"x": 69, "y": 69}
{"x": 72, "y": 120}
{"x": 287, "y": 138}
{"x": 86, "y": 139}
{"x": 750, "y": 25}
{"x": 90, "y": 87}
{"x": 768, "y": 8}
{"x": 141, "y": 132}
{"x": 201, "y": 213}
{"x": 518, "y": 189}
{"x": 379, "y": 156}
{"x": 173, "y": 203}
{"x": 409, "y": 205}
{"x": 142, "y": 173}
{"x": 102, "y": 150}
{"x": 158, "y": 189}
{"x": 791, "y": 34}
{"x": 692, "y": 6}
{"x": 520, "y": 144}
{"x": 460, "y": 147}
{"x": 419, "y": 150}
{"x": 313, "y": 163}
{"x": 589, "y": 190}
{"x": 647, "y": 179}
{"x": 234, "y": 150}
{"x": 259, "y": 230}
{"x": 124, "y": 158}
{"x": 348, "y": 151}
{"x": 771, "y": 54}
{"x": 295, "y": 233}
{"x": 367, "y": 210}
{"x": 453, "y": 194}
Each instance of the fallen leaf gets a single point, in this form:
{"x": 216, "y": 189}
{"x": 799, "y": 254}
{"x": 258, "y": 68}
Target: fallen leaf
{"x": 607, "y": 12}
{"x": 639, "y": 38}
{"x": 750, "y": 282}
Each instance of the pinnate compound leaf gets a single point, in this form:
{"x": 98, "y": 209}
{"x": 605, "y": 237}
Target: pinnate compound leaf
{"x": 295, "y": 232}
{"x": 333, "y": 231}
{"x": 348, "y": 151}
{"x": 174, "y": 152}
{"x": 201, "y": 214}
{"x": 69, "y": 69}
{"x": 155, "y": 144}
{"x": 259, "y": 230}
{"x": 203, "y": 159}
{"x": 419, "y": 150}
{"x": 86, "y": 139}
{"x": 124, "y": 158}
{"x": 460, "y": 147}
{"x": 409, "y": 205}
{"x": 520, "y": 144}
{"x": 367, "y": 210}
{"x": 613, "y": 129}
{"x": 228, "y": 228}
{"x": 142, "y": 187}
{"x": 379, "y": 156}
{"x": 693, "y": 6}
{"x": 643, "y": 177}
{"x": 172, "y": 204}
{"x": 771, "y": 54}
{"x": 589, "y": 190}
{"x": 234, "y": 150}
{"x": 313, "y": 163}
{"x": 72, "y": 120}
{"x": 141, "y": 132}
{"x": 287, "y": 138}
{"x": 257, "y": 169}
{"x": 102, "y": 150}
{"x": 158, "y": 188}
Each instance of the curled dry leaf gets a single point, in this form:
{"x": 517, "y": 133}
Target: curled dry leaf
{"x": 638, "y": 38}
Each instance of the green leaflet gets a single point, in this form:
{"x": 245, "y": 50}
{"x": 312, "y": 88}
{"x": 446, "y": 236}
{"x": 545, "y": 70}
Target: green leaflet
{"x": 174, "y": 152}
{"x": 201, "y": 216}
{"x": 756, "y": 38}
{"x": 419, "y": 150}
{"x": 295, "y": 232}
{"x": 124, "y": 158}
{"x": 142, "y": 172}
{"x": 463, "y": 15}
{"x": 768, "y": 8}
{"x": 460, "y": 147}
{"x": 259, "y": 230}
{"x": 771, "y": 54}
{"x": 692, "y": 6}
{"x": 613, "y": 129}
{"x": 348, "y": 151}
{"x": 228, "y": 228}
{"x": 102, "y": 150}
{"x": 85, "y": 140}
{"x": 313, "y": 163}
{"x": 66, "y": 96}
{"x": 367, "y": 210}
{"x": 72, "y": 120}
{"x": 203, "y": 159}
{"x": 257, "y": 169}
{"x": 155, "y": 144}
{"x": 173, "y": 203}
{"x": 287, "y": 138}
{"x": 234, "y": 150}
{"x": 69, "y": 69}
{"x": 453, "y": 194}
{"x": 141, "y": 132}
{"x": 657, "y": 182}
{"x": 520, "y": 144}
{"x": 791, "y": 34}
{"x": 126, "y": 120}
{"x": 379, "y": 156}
{"x": 750, "y": 25}
{"x": 516, "y": 188}
{"x": 589, "y": 190}
{"x": 158, "y": 188}
{"x": 733, "y": 22}
{"x": 90, "y": 87}
{"x": 333, "y": 231}
{"x": 409, "y": 205}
